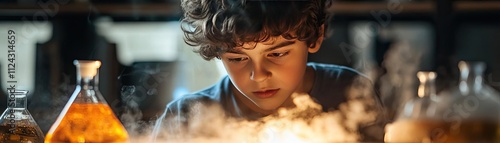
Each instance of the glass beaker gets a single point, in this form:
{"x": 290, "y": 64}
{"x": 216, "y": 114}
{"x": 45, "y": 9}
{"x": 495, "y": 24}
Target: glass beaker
{"x": 470, "y": 112}
{"x": 474, "y": 111}
{"x": 417, "y": 121}
{"x": 16, "y": 123}
{"x": 87, "y": 118}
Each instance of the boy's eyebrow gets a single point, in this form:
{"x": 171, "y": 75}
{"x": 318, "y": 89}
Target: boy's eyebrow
{"x": 282, "y": 44}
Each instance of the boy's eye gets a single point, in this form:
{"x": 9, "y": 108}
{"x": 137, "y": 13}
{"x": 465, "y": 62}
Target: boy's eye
{"x": 240, "y": 59}
{"x": 278, "y": 54}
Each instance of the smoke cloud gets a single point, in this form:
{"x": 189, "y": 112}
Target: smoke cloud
{"x": 305, "y": 123}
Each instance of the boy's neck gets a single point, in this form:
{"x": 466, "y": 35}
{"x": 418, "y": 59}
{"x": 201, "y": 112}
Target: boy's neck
{"x": 308, "y": 81}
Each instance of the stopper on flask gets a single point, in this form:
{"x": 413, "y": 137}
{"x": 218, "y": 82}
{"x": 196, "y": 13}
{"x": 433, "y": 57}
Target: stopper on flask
{"x": 88, "y": 68}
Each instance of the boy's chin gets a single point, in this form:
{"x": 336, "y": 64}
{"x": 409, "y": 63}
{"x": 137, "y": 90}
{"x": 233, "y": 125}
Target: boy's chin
{"x": 268, "y": 106}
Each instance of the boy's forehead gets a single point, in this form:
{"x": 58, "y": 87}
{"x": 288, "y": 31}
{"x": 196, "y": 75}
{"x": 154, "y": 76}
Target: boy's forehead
{"x": 270, "y": 41}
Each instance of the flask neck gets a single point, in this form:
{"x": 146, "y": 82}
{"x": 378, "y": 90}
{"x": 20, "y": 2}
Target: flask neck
{"x": 472, "y": 80}
{"x": 17, "y": 100}
{"x": 87, "y": 74}
{"x": 88, "y": 82}
{"x": 471, "y": 76}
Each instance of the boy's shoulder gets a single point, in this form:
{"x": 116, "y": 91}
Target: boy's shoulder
{"x": 334, "y": 72}
{"x": 332, "y": 84}
{"x": 208, "y": 96}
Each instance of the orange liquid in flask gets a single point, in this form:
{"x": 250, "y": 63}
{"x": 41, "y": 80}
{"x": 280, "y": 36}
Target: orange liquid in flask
{"x": 95, "y": 123}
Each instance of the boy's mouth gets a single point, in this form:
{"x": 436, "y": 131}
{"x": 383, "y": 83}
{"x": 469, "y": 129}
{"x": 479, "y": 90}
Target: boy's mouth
{"x": 266, "y": 93}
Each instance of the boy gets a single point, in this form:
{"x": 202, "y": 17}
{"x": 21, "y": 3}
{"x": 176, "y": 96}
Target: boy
{"x": 264, "y": 47}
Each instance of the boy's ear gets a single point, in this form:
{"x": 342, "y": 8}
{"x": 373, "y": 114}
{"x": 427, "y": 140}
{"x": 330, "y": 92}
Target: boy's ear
{"x": 319, "y": 41}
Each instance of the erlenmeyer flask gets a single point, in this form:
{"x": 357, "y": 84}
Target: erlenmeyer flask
{"x": 474, "y": 109}
{"x": 16, "y": 123}
{"x": 470, "y": 112}
{"x": 87, "y": 118}
{"x": 419, "y": 121}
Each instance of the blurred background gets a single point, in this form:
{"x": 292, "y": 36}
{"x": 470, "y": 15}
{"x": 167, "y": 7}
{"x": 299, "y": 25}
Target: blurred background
{"x": 146, "y": 64}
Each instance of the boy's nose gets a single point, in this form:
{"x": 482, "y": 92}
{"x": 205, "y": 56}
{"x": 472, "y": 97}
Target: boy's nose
{"x": 259, "y": 74}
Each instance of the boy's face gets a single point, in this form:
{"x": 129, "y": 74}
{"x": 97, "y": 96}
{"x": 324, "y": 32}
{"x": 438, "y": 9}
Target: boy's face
{"x": 267, "y": 73}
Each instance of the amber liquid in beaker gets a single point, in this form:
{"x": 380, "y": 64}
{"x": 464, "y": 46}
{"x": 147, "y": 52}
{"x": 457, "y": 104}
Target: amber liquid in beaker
{"x": 16, "y": 123}
{"x": 90, "y": 123}
{"x": 19, "y": 135}
{"x": 466, "y": 131}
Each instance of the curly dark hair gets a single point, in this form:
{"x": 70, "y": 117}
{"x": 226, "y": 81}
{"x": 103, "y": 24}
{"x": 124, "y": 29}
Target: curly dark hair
{"x": 217, "y": 26}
